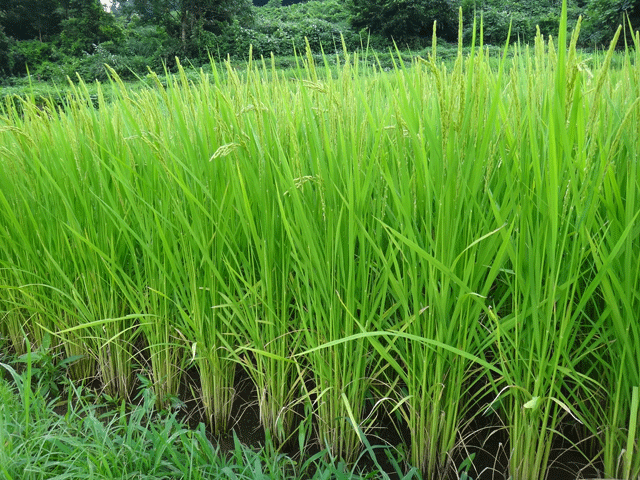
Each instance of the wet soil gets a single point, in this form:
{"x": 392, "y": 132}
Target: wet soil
{"x": 484, "y": 439}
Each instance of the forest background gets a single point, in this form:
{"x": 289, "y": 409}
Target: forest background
{"x": 53, "y": 39}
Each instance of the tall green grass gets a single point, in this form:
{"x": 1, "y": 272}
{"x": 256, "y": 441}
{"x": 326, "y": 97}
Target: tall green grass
{"x": 433, "y": 243}
{"x": 94, "y": 438}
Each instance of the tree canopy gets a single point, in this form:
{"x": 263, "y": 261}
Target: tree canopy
{"x": 28, "y": 19}
{"x": 86, "y": 24}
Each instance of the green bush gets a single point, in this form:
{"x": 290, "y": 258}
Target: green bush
{"x": 143, "y": 47}
{"x": 33, "y": 56}
{"x": 6, "y": 59}
{"x": 148, "y": 45}
{"x": 333, "y": 11}
{"x": 147, "y": 41}
{"x": 279, "y": 30}
{"x": 498, "y": 15}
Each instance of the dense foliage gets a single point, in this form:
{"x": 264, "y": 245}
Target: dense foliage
{"x": 603, "y": 17}
{"x": 401, "y": 19}
{"x": 57, "y": 38}
{"x": 189, "y": 20}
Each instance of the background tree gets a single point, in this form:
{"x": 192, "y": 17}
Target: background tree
{"x": 402, "y": 19}
{"x": 6, "y": 60}
{"x": 86, "y": 24}
{"x": 185, "y": 19}
{"x": 30, "y": 19}
{"x": 604, "y": 16}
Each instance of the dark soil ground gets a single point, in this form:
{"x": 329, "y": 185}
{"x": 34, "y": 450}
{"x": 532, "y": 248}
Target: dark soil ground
{"x": 485, "y": 441}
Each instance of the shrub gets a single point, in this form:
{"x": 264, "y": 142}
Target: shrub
{"x": 278, "y": 30}
{"x": 6, "y": 59}
{"x": 32, "y": 55}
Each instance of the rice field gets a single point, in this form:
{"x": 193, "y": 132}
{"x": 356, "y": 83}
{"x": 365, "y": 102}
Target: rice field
{"x": 436, "y": 245}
